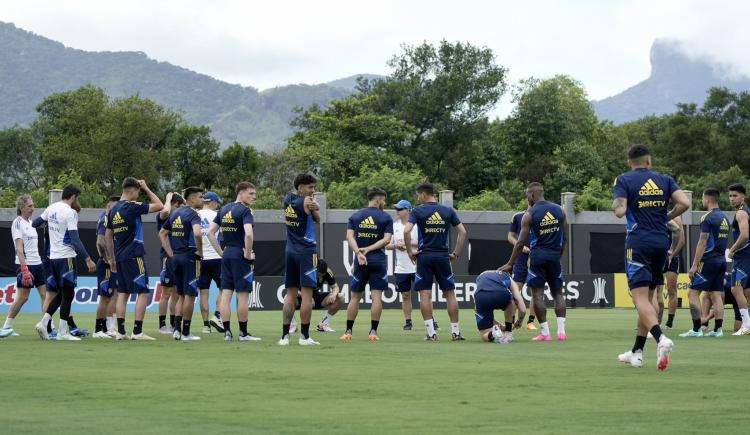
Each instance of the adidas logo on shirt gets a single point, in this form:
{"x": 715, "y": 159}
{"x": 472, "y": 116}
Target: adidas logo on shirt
{"x": 290, "y": 213}
{"x": 118, "y": 220}
{"x": 548, "y": 219}
{"x": 650, "y": 188}
{"x": 177, "y": 223}
{"x": 435, "y": 219}
{"x": 724, "y": 225}
{"x": 368, "y": 223}
{"x": 227, "y": 218}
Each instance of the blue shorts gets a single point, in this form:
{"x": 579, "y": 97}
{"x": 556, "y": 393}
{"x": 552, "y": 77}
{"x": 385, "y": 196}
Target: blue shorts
{"x": 710, "y": 276}
{"x": 132, "y": 275}
{"x": 404, "y": 281}
{"x": 236, "y": 274}
{"x": 740, "y": 273}
{"x": 673, "y": 266}
{"x": 644, "y": 265}
{"x": 106, "y": 281}
{"x": 318, "y": 298}
{"x": 431, "y": 268}
{"x": 62, "y": 274}
{"x": 545, "y": 271}
{"x": 486, "y": 302}
{"x": 375, "y": 274}
{"x": 210, "y": 271}
{"x": 521, "y": 268}
{"x": 166, "y": 276}
{"x": 186, "y": 269}
{"x": 301, "y": 270}
{"x": 40, "y": 275}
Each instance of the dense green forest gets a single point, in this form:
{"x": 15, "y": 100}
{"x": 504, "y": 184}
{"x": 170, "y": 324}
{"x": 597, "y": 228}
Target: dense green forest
{"x": 427, "y": 120}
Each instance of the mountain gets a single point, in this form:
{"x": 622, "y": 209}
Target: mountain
{"x": 351, "y": 81}
{"x": 675, "y": 78}
{"x": 33, "y": 67}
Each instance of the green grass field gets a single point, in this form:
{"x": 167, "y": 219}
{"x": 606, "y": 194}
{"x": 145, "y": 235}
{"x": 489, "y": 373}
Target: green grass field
{"x": 398, "y": 385}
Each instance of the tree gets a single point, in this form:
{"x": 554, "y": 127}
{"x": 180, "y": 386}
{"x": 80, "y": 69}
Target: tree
{"x": 20, "y": 162}
{"x": 398, "y": 185}
{"x": 595, "y": 196}
{"x": 487, "y": 200}
{"x": 548, "y": 114}
{"x": 576, "y": 163}
{"x": 718, "y": 179}
{"x": 194, "y": 155}
{"x": 237, "y": 163}
{"x": 445, "y": 92}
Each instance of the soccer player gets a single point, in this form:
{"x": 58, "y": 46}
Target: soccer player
{"x": 521, "y": 266}
{"x": 330, "y": 300}
{"x": 671, "y": 269}
{"x": 301, "y": 214}
{"x": 709, "y": 265}
{"x": 368, "y": 232}
{"x": 236, "y": 222}
{"x": 545, "y": 223}
{"x": 494, "y": 292}
{"x": 740, "y": 254}
{"x": 642, "y": 196}
{"x": 166, "y": 276}
{"x": 433, "y": 257}
{"x": 124, "y": 241}
{"x": 106, "y": 280}
{"x": 405, "y": 270}
{"x": 181, "y": 239}
{"x": 65, "y": 244}
{"x": 29, "y": 268}
{"x": 211, "y": 265}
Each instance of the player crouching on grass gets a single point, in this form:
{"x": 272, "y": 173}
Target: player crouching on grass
{"x": 494, "y": 293}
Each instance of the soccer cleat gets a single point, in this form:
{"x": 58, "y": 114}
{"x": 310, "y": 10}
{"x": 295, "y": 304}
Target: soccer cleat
{"x": 434, "y": 323}
{"x": 634, "y": 359}
{"x": 120, "y": 337}
{"x": 190, "y": 337}
{"x": 206, "y": 330}
{"x": 531, "y": 327}
{"x": 663, "y": 351}
{"x": 215, "y": 322}
{"x": 719, "y": 333}
{"x": 561, "y": 336}
{"x": 42, "y": 331}
{"x": 457, "y": 337}
{"x": 248, "y": 337}
{"x": 7, "y": 332}
{"x": 101, "y": 334}
{"x": 324, "y": 327}
{"x": 373, "y": 336}
{"x": 432, "y": 337}
{"x": 166, "y": 330}
{"x": 284, "y": 341}
{"x": 691, "y": 333}
{"x": 704, "y": 329}
{"x": 542, "y": 337}
{"x": 142, "y": 337}
{"x": 67, "y": 337}
{"x": 53, "y": 334}
{"x": 625, "y": 357}
{"x": 79, "y": 332}
{"x": 347, "y": 336}
{"x": 112, "y": 333}
{"x": 177, "y": 335}
{"x": 407, "y": 327}
{"x": 307, "y": 342}
{"x": 228, "y": 337}
{"x": 742, "y": 331}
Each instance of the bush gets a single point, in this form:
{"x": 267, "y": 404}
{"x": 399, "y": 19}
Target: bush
{"x": 487, "y": 200}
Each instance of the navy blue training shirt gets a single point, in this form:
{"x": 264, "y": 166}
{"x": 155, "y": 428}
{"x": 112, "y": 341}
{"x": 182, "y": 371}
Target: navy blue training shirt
{"x": 232, "y": 219}
{"x": 743, "y": 251}
{"x": 546, "y": 235}
{"x": 492, "y": 280}
{"x": 180, "y": 226}
{"x": 433, "y": 223}
{"x": 300, "y": 226}
{"x": 125, "y": 222}
{"x": 647, "y": 193}
{"x": 370, "y": 225}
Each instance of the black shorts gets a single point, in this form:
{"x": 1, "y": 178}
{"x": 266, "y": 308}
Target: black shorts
{"x": 672, "y": 266}
{"x": 210, "y": 271}
{"x": 40, "y": 275}
{"x": 318, "y": 298}
{"x": 404, "y": 281}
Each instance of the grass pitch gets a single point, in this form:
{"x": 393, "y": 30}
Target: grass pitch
{"x": 398, "y": 385}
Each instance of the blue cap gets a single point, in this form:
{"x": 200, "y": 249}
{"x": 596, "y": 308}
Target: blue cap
{"x": 403, "y": 205}
{"x": 212, "y": 196}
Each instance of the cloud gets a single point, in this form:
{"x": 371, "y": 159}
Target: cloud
{"x": 605, "y": 45}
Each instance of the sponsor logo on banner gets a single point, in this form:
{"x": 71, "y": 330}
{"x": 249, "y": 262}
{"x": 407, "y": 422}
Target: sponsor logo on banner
{"x": 624, "y": 300}
{"x": 255, "y": 296}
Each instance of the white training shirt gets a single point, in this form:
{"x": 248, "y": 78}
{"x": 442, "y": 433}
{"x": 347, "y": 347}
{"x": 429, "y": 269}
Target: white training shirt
{"x": 60, "y": 220}
{"x": 403, "y": 263}
{"x": 207, "y": 216}
{"x": 22, "y": 229}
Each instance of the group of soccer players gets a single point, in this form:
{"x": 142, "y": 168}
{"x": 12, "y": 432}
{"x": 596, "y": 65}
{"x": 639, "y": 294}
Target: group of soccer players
{"x": 201, "y": 243}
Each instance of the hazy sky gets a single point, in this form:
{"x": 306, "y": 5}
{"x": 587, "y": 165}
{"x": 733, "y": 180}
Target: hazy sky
{"x": 604, "y": 44}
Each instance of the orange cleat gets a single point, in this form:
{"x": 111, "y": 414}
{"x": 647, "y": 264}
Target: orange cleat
{"x": 347, "y": 337}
